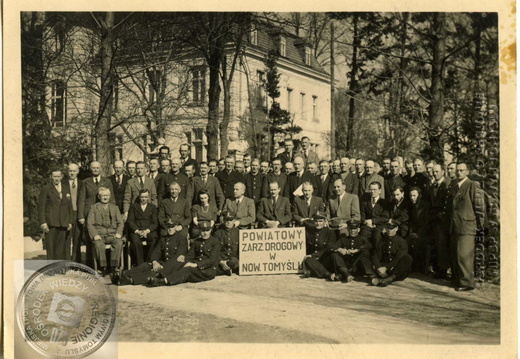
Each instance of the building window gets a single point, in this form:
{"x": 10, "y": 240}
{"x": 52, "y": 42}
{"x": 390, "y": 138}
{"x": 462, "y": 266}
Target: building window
{"x": 289, "y": 100}
{"x": 117, "y": 149}
{"x": 195, "y": 139}
{"x": 198, "y": 85}
{"x": 253, "y": 35}
{"x": 315, "y": 108}
{"x": 308, "y": 55}
{"x": 58, "y": 103}
{"x": 260, "y": 89}
{"x": 283, "y": 46}
{"x": 302, "y": 106}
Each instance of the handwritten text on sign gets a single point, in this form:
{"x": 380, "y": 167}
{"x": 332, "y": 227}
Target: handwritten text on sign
{"x": 271, "y": 251}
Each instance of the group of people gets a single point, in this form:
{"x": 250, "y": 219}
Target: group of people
{"x": 361, "y": 219}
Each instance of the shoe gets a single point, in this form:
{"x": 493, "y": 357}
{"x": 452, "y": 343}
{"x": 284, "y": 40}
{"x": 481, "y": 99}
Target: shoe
{"x": 156, "y": 282}
{"x": 386, "y": 281}
{"x": 330, "y": 277}
{"x": 376, "y": 281}
{"x": 125, "y": 280}
{"x": 114, "y": 278}
{"x": 229, "y": 272}
{"x": 306, "y": 273}
{"x": 350, "y": 278}
{"x": 464, "y": 289}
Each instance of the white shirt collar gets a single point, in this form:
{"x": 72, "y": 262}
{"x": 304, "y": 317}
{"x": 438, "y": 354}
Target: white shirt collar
{"x": 462, "y": 181}
{"x": 440, "y": 181}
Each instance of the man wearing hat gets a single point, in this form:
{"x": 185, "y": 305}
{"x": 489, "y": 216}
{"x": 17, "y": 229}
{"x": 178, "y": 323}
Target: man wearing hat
{"x": 229, "y": 241}
{"x": 391, "y": 259}
{"x": 166, "y": 253}
{"x": 351, "y": 254}
{"x": 319, "y": 240}
{"x": 200, "y": 264}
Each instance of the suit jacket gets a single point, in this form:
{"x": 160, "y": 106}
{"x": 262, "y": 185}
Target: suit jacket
{"x": 212, "y": 185}
{"x": 400, "y": 215}
{"x": 245, "y": 213}
{"x": 293, "y": 182}
{"x": 229, "y": 242}
{"x": 179, "y": 212}
{"x": 326, "y": 188}
{"x": 312, "y": 157}
{"x": 137, "y": 219}
{"x": 54, "y": 210}
{"x": 95, "y": 221}
{"x": 272, "y": 177}
{"x": 74, "y": 193}
{"x": 281, "y": 211}
{"x": 389, "y": 251}
{"x": 133, "y": 186}
{"x": 285, "y": 157}
{"x": 157, "y": 178}
{"x": 163, "y": 187}
{"x": 419, "y": 222}
{"x": 301, "y": 210}
{"x": 379, "y": 214}
{"x": 440, "y": 199}
{"x": 463, "y": 217}
{"x": 190, "y": 161}
{"x": 391, "y": 183}
{"x": 351, "y": 182}
{"x": 88, "y": 194}
{"x": 119, "y": 190}
{"x": 420, "y": 180}
{"x": 254, "y": 186}
{"x": 348, "y": 208}
{"x": 228, "y": 180}
{"x": 365, "y": 182}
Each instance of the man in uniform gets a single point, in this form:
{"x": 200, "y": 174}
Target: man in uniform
{"x": 229, "y": 177}
{"x": 229, "y": 242}
{"x": 56, "y": 217}
{"x": 175, "y": 176}
{"x": 169, "y": 248}
{"x": 200, "y": 264}
{"x": 351, "y": 254}
{"x": 274, "y": 211}
{"x": 243, "y": 207}
{"x": 142, "y": 224}
{"x": 105, "y": 226}
{"x": 391, "y": 259}
{"x": 254, "y": 180}
{"x": 320, "y": 238}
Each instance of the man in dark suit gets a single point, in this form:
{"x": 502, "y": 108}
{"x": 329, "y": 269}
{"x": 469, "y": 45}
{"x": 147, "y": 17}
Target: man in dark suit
{"x": 243, "y": 207}
{"x": 274, "y": 211}
{"x": 306, "y": 206}
{"x": 210, "y": 184}
{"x": 175, "y": 210}
{"x": 369, "y": 177}
{"x": 394, "y": 180}
{"x": 164, "y": 153}
{"x": 307, "y": 154}
{"x": 467, "y": 209}
{"x": 166, "y": 167}
{"x": 163, "y": 188}
{"x": 134, "y": 187}
{"x": 374, "y": 214}
{"x": 213, "y": 167}
{"x": 325, "y": 182}
{"x": 386, "y": 171}
{"x": 119, "y": 180}
{"x": 288, "y": 155}
{"x": 228, "y": 177}
{"x": 343, "y": 205}
{"x": 142, "y": 224}
{"x": 75, "y": 233}
{"x": 184, "y": 151}
{"x": 440, "y": 220}
{"x": 254, "y": 180}
{"x": 294, "y": 181}
{"x": 349, "y": 178}
{"x": 154, "y": 171}
{"x": 130, "y": 169}
{"x": 55, "y": 217}
{"x": 399, "y": 211}
{"x": 277, "y": 175}
{"x": 88, "y": 192}
{"x": 419, "y": 237}
{"x": 419, "y": 179}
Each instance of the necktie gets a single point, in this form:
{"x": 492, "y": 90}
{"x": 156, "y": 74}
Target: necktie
{"x": 238, "y": 202}
{"x": 58, "y": 189}
{"x": 142, "y": 182}
{"x": 273, "y": 201}
{"x": 96, "y": 181}
{"x": 373, "y": 202}
{"x": 73, "y": 184}
{"x": 339, "y": 201}
{"x": 204, "y": 179}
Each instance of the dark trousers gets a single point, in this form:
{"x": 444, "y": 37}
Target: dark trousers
{"x": 176, "y": 273}
{"x": 374, "y": 235}
{"x": 82, "y": 238}
{"x": 56, "y": 243}
{"x": 136, "y": 246}
{"x": 354, "y": 263}
{"x": 402, "y": 268}
{"x": 318, "y": 266}
{"x": 441, "y": 238}
{"x": 232, "y": 263}
{"x": 141, "y": 273}
{"x": 462, "y": 259}
{"x": 116, "y": 246}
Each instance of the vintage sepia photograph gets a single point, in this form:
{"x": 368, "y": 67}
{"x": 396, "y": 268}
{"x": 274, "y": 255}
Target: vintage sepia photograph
{"x": 253, "y": 177}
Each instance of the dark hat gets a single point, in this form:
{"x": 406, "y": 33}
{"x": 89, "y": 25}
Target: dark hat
{"x": 353, "y": 224}
{"x": 319, "y": 215}
{"x": 170, "y": 223}
{"x": 335, "y": 222}
{"x": 205, "y": 226}
{"x": 391, "y": 225}
{"x": 229, "y": 215}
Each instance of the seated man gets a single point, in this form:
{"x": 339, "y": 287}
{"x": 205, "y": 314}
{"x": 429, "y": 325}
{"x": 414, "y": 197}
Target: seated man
{"x": 343, "y": 205}
{"x": 274, "y": 211}
{"x": 319, "y": 240}
{"x": 170, "y": 248}
{"x": 391, "y": 259}
{"x": 306, "y": 206}
{"x": 105, "y": 226}
{"x": 142, "y": 222}
{"x": 399, "y": 211}
{"x": 374, "y": 214}
{"x": 175, "y": 209}
{"x": 352, "y": 254}
{"x": 200, "y": 264}
{"x": 243, "y": 207}
{"x": 228, "y": 237}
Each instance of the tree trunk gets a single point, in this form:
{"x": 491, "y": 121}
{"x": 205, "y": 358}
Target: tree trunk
{"x": 333, "y": 132}
{"x": 103, "y": 145}
{"x": 214, "y": 97}
{"x": 436, "y": 114}
{"x": 353, "y": 85}
{"x": 226, "y": 116}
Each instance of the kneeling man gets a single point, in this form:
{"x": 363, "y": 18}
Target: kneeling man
{"x": 319, "y": 241}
